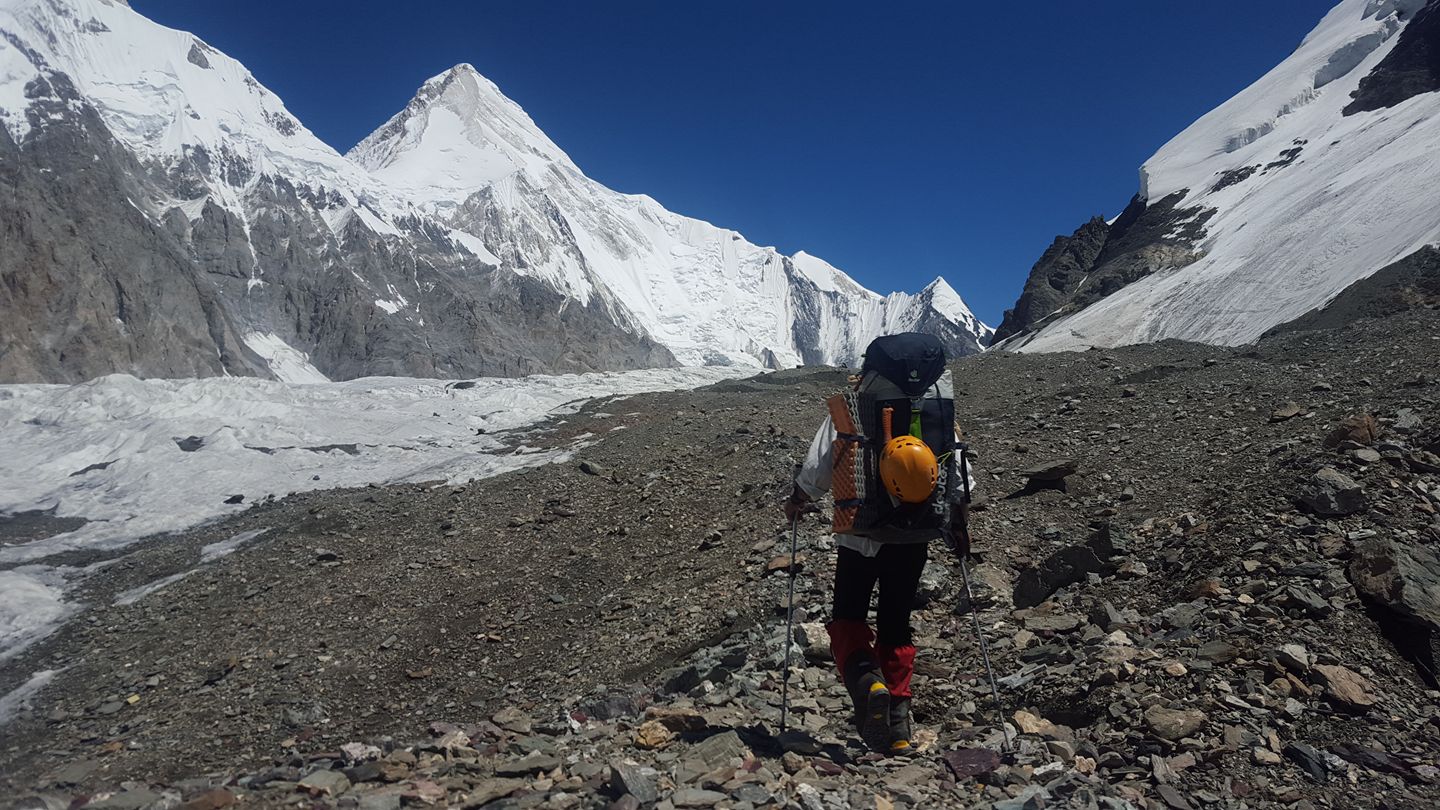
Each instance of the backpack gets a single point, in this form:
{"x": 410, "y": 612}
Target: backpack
{"x": 904, "y": 372}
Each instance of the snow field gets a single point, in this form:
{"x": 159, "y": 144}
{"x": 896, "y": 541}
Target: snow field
{"x": 138, "y": 458}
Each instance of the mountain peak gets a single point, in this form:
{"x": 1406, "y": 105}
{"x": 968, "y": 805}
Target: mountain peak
{"x": 458, "y": 134}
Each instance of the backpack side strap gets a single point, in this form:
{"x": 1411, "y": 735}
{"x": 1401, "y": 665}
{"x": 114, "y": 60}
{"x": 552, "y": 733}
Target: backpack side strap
{"x": 847, "y": 481}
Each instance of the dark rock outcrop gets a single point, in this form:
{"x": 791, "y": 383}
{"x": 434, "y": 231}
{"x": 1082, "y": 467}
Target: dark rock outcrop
{"x": 1412, "y": 67}
{"x": 1054, "y": 279}
{"x": 1099, "y": 259}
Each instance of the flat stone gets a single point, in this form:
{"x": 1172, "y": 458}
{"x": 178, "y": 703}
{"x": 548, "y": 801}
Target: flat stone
{"x": 209, "y": 800}
{"x": 1173, "y": 724}
{"x": 388, "y": 799}
{"x": 1218, "y": 651}
{"x": 1053, "y": 470}
{"x": 529, "y": 764}
{"x": 634, "y": 780}
{"x": 1294, "y": 657}
{"x": 512, "y": 719}
{"x": 1289, "y": 410}
{"x": 325, "y": 783}
{"x": 1056, "y": 623}
{"x": 970, "y": 762}
{"x": 1346, "y": 687}
{"x": 709, "y": 754}
{"x": 1309, "y": 759}
{"x": 753, "y": 793}
{"x": 74, "y": 773}
{"x": 128, "y": 800}
{"x": 1264, "y": 756}
{"x": 491, "y": 789}
{"x": 696, "y": 797}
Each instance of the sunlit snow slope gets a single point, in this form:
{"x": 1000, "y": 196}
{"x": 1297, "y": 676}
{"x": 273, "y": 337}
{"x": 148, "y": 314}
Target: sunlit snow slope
{"x": 1306, "y": 198}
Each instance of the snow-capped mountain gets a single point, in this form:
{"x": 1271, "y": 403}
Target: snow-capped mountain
{"x": 171, "y": 218}
{"x": 1320, "y": 174}
{"x": 467, "y": 155}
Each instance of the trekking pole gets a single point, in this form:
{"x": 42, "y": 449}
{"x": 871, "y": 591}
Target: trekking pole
{"x": 789, "y": 622}
{"x": 970, "y": 594}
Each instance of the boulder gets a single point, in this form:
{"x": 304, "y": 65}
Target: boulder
{"x": 1404, "y": 579}
{"x": 1053, "y": 470}
{"x": 1361, "y": 428}
{"x": 1331, "y": 493}
{"x": 1067, "y": 566}
{"x": 1346, "y": 688}
{"x": 1402, "y": 585}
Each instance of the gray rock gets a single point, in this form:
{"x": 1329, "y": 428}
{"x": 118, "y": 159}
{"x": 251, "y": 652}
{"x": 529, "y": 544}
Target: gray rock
{"x": 711, "y": 753}
{"x": 1067, "y": 566}
{"x": 1053, "y": 470}
{"x": 491, "y": 789}
{"x": 1294, "y": 657}
{"x": 1331, "y": 493}
{"x": 634, "y": 780}
{"x": 1407, "y": 421}
{"x": 380, "y": 800}
{"x": 1299, "y": 597}
{"x": 753, "y": 793}
{"x": 532, "y": 763}
{"x": 326, "y": 783}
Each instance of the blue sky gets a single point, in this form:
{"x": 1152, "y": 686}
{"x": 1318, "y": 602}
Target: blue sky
{"x": 899, "y": 141}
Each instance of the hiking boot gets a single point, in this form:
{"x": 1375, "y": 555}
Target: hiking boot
{"x": 872, "y": 711}
{"x": 901, "y": 733}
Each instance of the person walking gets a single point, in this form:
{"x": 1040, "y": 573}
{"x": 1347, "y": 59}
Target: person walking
{"x": 887, "y": 452}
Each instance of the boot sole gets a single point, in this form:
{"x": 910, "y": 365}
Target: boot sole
{"x": 875, "y": 728}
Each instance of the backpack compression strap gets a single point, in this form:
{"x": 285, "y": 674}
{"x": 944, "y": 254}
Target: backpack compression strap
{"x": 847, "y": 480}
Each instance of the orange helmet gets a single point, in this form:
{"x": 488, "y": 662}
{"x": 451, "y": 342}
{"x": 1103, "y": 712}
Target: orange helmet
{"x": 909, "y": 469}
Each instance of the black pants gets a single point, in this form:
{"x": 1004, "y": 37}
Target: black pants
{"x": 897, "y": 569}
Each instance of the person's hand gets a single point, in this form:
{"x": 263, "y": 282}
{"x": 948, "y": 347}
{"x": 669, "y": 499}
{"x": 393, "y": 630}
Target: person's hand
{"x": 798, "y": 505}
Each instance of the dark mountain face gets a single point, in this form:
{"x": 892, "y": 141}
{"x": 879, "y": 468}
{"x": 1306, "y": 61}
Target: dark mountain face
{"x": 1054, "y": 279}
{"x": 1100, "y": 259}
{"x": 89, "y": 284}
{"x": 1411, "y": 68}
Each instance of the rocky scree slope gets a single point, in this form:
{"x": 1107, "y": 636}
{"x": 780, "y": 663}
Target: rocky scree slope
{"x": 1269, "y": 206}
{"x": 171, "y": 217}
{"x": 1207, "y": 577}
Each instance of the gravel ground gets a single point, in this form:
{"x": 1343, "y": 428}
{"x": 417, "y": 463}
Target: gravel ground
{"x": 1176, "y": 623}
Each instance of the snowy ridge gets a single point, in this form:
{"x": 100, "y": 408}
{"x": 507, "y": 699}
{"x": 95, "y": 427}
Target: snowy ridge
{"x": 461, "y": 161}
{"x": 460, "y": 133}
{"x": 1307, "y": 200}
{"x": 704, "y": 292}
{"x": 164, "y": 93}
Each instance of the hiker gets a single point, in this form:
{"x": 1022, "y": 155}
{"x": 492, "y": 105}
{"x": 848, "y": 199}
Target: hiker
{"x": 887, "y": 451}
